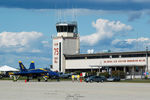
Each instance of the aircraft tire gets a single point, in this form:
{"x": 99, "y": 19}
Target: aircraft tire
{"x": 91, "y": 81}
{"x": 45, "y": 80}
{"x": 39, "y": 80}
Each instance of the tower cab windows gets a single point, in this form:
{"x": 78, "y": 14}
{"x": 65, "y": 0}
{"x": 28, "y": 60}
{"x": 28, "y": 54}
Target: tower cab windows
{"x": 70, "y": 29}
{"x": 67, "y": 29}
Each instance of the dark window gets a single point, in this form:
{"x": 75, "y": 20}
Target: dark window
{"x": 94, "y": 57}
{"x": 65, "y": 28}
{"x": 88, "y": 57}
{"x": 115, "y": 56}
{"x": 70, "y": 28}
{"x": 75, "y": 57}
{"x": 137, "y": 69}
{"x": 133, "y": 55}
{"x": 107, "y": 56}
{"x": 51, "y": 66}
{"x": 59, "y": 56}
{"x": 58, "y": 28}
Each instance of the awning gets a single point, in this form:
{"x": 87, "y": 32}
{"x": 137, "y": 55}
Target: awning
{"x": 6, "y": 68}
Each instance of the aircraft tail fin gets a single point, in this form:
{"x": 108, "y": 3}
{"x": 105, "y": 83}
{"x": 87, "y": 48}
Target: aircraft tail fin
{"x": 32, "y": 66}
{"x": 22, "y": 67}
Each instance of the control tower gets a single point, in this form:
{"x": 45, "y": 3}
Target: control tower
{"x": 66, "y": 42}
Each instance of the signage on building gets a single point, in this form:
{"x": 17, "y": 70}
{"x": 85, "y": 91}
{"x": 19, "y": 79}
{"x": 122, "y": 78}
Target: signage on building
{"x": 56, "y": 52}
{"x": 124, "y": 61}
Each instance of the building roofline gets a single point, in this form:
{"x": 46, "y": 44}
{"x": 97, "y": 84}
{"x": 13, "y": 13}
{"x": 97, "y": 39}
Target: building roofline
{"x": 65, "y": 37}
{"x": 66, "y": 23}
{"x": 109, "y": 53}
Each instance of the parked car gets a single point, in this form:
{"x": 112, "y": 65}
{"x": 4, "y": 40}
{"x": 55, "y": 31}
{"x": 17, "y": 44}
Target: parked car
{"x": 63, "y": 75}
{"x": 87, "y": 76}
{"x": 1, "y": 76}
{"x": 95, "y": 79}
{"x": 112, "y": 79}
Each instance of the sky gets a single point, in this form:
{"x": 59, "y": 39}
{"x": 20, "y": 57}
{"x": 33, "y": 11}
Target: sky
{"x": 27, "y": 27}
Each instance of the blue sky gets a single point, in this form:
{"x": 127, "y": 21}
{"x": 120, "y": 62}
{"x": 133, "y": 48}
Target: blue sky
{"x": 26, "y": 27}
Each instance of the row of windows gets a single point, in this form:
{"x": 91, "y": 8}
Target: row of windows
{"x": 65, "y": 28}
{"x": 108, "y": 56}
{"x": 134, "y": 55}
{"x": 92, "y": 57}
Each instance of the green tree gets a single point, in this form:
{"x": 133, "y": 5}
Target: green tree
{"x": 118, "y": 73}
{"x": 106, "y": 74}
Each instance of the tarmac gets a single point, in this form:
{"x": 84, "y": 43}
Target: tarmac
{"x": 67, "y": 90}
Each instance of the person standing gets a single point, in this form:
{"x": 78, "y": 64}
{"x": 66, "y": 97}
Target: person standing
{"x": 73, "y": 78}
{"x": 78, "y": 78}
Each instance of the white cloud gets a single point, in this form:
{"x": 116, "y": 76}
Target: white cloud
{"x": 20, "y": 41}
{"x": 25, "y": 47}
{"x": 105, "y": 30}
{"x": 9, "y": 39}
{"x": 79, "y": 12}
{"x": 46, "y": 44}
{"x": 139, "y": 43}
{"x": 90, "y": 51}
{"x": 36, "y": 51}
{"x": 71, "y": 14}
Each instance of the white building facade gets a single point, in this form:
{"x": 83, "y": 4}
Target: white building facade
{"x": 67, "y": 57}
{"x": 132, "y": 63}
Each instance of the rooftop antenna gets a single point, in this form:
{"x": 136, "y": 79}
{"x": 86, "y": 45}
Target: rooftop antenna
{"x": 64, "y": 15}
{"x": 74, "y": 14}
{"x": 56, "y": 14}
{"x": 59, "y": 15}
{"x": 137, "y": 42}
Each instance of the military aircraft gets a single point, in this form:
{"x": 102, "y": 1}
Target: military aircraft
{"x": 51, "y": 74}
{"x": 34, "y": 73}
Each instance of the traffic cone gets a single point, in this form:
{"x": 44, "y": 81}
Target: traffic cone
{"x": 81, "y": 80}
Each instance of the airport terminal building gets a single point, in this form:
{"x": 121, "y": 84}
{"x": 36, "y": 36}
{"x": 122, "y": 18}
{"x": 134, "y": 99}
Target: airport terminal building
{"x": 67, "y": 57}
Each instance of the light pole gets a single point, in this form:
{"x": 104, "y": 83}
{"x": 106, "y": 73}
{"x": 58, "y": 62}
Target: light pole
{"x": 100, "y": 66}
{"x": 146, "y": 59}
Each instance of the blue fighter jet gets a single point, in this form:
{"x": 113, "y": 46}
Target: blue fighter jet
{"x": 34, "y": 73}
{"x": 51, "y": 74}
